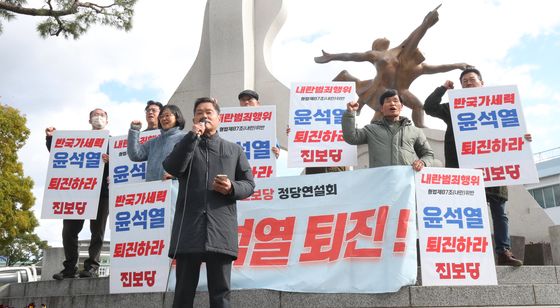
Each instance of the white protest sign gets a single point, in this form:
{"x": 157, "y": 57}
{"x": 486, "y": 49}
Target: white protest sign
{"x": 454, "y": 228}
{"x": 254, "y": 129}
{"x": 122, "y": 169}
{"x": 140, "y": 216}
{"x": 489, "y": 126}
{"x": 315, "y": 138}
{"x": 314, "y": 233}
{"x": 74, "y": 175}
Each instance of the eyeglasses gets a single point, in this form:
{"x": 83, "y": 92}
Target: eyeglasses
{"x": 152, "y": 110}
{"x": 165, "y": 115}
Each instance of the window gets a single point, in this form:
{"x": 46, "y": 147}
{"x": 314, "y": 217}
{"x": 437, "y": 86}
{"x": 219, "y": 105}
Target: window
{"x": 556, "y": 189}
{"x": 537, "y": 194}
{"x": 547, "y": 197}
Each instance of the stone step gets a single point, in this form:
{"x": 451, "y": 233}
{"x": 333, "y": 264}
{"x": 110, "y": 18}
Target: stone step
{"x": 416, "y": 296}
{"x": 523, "y": 286}
{"x": 507, "y": 275}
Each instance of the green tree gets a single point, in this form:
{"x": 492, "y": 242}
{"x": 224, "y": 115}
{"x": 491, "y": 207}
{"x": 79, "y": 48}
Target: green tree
{"x": 71, "y": 17}
{"x": 17, "y": 221}
{"x": 26, "y": 249}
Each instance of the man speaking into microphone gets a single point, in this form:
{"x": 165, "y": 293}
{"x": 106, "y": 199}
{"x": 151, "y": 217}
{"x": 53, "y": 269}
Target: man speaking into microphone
{"x": 213, "y": 173}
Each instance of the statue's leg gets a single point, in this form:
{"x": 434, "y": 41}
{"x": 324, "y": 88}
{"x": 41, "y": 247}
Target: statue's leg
{"x": 361, "y": 85}
{"x": 411, "y": 101}
{"x": 345, "y": 76}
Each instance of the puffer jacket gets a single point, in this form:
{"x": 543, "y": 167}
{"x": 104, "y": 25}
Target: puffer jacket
{"x": 385, "y": 148}
{"x": 154, "y": 150}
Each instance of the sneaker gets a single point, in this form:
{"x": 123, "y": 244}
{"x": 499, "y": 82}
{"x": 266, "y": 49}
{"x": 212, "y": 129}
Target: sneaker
{"x": 89, "y": 273}
{"x": 64, "y": 275}
{"x": 507, "y": 258}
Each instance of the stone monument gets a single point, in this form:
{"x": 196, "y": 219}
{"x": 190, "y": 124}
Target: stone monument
{"x": 234, "y": 55}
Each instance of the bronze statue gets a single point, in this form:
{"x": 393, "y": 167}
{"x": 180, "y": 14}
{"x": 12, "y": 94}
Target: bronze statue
{"x": 396, "y": 69}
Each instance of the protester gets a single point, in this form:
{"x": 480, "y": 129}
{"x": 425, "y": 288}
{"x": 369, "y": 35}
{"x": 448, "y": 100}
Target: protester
{"x": 213, "y": 173}
{"x": 250, "y": 98}
{"x": 392, "y": 140}
{"x": 495, "y": 196}
{"x": 72, "y": 227}
{"x": 156, "y": 150}
{"x": 152, "y": 114}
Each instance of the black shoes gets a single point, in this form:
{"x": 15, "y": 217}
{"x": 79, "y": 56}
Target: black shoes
{"x": 68, "y": 274}
{"x": 89, "y": 273}
{"x": 64, "y": 274}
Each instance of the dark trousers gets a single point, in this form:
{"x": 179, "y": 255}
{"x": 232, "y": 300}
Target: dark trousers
{"x": 70, "y": 230}
{"x": 218, "y": 268}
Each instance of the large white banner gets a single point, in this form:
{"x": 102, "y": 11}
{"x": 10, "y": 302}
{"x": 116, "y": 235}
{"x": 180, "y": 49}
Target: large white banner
{"x": 344, "y": 232}
{"x": 315, "y": 138}
{"x": 488, "y": 125}
{"x": 454, "y": 228}
{"x": 74, "y": 175}
{"x": 140, "y": 216}
{"x": 121, "y": 168}
{"x": 254, "y": 129}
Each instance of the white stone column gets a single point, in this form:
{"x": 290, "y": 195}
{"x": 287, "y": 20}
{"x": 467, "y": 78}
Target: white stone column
{"x": 234, "y": 55}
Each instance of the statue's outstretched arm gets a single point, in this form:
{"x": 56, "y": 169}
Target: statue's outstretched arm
{"x": 410, "y": 44}
{"x": 442, "y": 68}
{"x": 352, "y": 56}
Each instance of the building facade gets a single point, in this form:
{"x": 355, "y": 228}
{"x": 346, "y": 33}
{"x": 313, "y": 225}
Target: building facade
{"x": 547, "y": 191}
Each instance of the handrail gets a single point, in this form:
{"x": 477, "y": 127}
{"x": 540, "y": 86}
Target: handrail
{"x": 546, "y": 155}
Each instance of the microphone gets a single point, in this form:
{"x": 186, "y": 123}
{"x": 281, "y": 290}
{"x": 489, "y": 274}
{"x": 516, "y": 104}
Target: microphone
{"x": 203, "y": 121}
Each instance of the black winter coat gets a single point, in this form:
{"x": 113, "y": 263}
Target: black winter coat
{"x": 210, "y": 218}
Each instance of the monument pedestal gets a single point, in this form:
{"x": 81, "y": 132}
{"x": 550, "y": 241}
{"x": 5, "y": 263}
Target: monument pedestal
{"x": 517, "y": 286}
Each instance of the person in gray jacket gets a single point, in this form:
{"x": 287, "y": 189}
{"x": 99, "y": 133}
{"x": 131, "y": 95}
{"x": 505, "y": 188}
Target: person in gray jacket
{"x": 156, "y": 150}
{"x": 392, "y": 140}
{"x": 213, "y": 174}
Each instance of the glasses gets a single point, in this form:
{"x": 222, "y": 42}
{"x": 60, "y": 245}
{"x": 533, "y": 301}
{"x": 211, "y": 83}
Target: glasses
{"x": 152, "y": 110}
{"x": 166, "y": 115}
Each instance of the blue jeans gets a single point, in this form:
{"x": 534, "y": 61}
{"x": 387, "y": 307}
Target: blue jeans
{"x": 500, "y": 222}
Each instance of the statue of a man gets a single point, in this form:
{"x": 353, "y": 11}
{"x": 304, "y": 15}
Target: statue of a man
{"x": 396, "y": 69}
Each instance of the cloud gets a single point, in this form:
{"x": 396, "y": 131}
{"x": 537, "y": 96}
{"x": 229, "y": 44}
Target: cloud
{"x": 56, "y": 82}
{"x": 481, "y": 33}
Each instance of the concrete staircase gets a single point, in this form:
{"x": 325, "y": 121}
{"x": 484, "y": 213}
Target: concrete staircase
{"x": 527, "y": 286}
